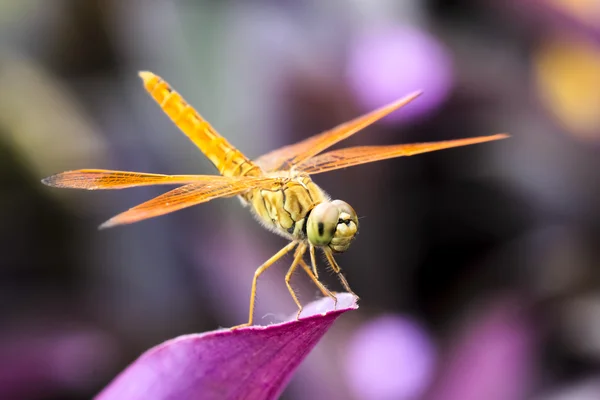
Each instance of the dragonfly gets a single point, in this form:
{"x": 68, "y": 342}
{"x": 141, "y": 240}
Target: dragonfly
{"x": 277, "y": 187}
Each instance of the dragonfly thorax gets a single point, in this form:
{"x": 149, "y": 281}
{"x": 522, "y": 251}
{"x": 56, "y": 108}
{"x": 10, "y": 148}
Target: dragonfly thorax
{"x": 333, "y": 224}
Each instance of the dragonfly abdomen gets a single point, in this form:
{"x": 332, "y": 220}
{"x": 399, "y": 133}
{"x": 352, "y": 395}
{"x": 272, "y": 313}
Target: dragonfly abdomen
{"x": 228, "y": 160}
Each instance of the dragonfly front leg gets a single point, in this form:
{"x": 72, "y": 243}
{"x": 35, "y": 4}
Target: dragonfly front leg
{"x": 313, "y": 261}
{"x": 258, "y": 272}
{"x": 326, "y": 292}
{"x": 336, "y": 268}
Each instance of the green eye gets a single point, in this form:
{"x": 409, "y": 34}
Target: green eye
{"x": 322, "y": 223}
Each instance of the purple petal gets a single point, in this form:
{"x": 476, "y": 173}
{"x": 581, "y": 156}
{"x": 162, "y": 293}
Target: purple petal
{"x": 250, "y": 363}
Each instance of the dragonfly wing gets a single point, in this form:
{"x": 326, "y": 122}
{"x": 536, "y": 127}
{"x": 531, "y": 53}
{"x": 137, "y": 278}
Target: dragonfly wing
{"x": 349, "y": 157}
{"x": 297, "y": 153}
{"x": 277, "y": 159}
{"x": 183, "y": 197}
{"x": 95, "y": 179}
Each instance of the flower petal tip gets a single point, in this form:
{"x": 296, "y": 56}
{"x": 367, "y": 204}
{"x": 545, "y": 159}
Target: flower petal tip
{"x": 255, "y": 362}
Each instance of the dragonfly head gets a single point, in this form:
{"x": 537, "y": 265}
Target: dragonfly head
{"x": 333, "y": 224}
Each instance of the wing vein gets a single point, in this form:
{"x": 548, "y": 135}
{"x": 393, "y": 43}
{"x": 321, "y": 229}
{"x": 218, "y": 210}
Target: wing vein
{"x": 349, "y": 157}
{"x": 295, "y": 154}
{"x": 186, "y": 196}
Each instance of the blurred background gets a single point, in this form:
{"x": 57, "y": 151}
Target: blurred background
{"x": 478, "y": 268}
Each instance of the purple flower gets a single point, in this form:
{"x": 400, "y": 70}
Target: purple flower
{"x": 250, "y": 363}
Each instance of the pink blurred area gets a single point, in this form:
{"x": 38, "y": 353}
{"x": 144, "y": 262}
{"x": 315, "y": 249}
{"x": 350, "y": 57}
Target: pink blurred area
{"x": 43, "y": 360}
{"x": 443, "y": 236}
{"x": 385, "y": 65}
{"x": 390, "y": 357}
{"x": 493, "y": 356}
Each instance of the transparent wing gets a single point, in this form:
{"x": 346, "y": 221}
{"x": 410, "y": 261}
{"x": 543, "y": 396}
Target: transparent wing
{"x": 95, "y": 179}
{"x": 294, "y": 154}
{"x": 349, "y": 157}
{"x": 183, "y": 197}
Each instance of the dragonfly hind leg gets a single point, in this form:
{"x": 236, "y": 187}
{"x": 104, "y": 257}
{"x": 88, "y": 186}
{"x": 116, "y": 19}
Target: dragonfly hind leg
{"x": 258, "y": 272}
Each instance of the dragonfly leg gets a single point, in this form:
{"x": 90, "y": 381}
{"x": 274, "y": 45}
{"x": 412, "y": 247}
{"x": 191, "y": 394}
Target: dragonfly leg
{"x": 326, "y": 292}
{"x": 258, "y": 272}
{"x": 336, "y": 268}
{"x": 313, "y": 261}
{"x": 297, "y": 258}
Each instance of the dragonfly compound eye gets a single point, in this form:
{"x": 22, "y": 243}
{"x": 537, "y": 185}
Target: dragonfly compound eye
{"x": 322, "y": 223}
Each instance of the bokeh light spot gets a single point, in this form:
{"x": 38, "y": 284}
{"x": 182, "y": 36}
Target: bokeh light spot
{"x": 390, "y": 357}
{"x": 384, "y": 66}
{"x": 568, "y": 79}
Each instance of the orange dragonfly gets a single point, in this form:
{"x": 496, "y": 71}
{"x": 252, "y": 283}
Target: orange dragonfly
{"x": 277, "y": 186}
